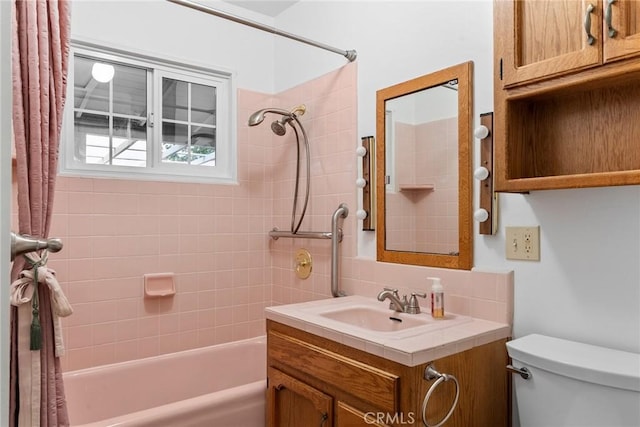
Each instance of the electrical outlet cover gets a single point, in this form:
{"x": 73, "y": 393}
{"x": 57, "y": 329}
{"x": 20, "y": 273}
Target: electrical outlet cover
{"x": 523, "y": 243}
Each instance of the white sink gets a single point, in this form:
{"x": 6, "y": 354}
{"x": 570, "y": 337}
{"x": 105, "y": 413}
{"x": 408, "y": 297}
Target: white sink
{"x": 369, "y": 325}
{"x": 369, "y": 318}
{"x": 376, "y": 319}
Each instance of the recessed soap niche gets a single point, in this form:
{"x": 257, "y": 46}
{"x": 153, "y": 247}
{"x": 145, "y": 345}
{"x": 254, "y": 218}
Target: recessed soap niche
{"x": 159, "y": 285}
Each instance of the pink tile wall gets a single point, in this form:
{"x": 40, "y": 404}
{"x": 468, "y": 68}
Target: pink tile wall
{"x": 437, "y": 147}
{"x": 405, "y": 154}
{"x": 425, "y": 221}
{"x": 331, "y": 123}
{"x": 211, "y": 236}
{"x": 214, "y": 238}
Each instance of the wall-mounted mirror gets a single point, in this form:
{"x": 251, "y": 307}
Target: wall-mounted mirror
{"x": 424, "y": 194}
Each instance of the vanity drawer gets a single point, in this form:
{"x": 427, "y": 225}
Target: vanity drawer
{"x": 370, "y": 384}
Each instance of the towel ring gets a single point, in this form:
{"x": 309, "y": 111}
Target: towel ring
{"x": 430, "y": 373}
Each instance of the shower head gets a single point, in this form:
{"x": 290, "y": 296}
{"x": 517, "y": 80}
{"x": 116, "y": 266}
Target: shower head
{"x": 279, "y": 126}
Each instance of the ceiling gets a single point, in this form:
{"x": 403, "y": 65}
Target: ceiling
{"x": 266, "y": 7}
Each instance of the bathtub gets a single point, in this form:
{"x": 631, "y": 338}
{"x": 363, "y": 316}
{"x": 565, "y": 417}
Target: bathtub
{"x": 222, "y": 385}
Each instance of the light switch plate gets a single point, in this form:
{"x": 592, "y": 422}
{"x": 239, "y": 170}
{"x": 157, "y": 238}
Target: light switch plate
{"x": 523, "y": 243}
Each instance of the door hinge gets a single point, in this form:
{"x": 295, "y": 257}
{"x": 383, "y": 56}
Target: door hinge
{"x": 500, "y": 68}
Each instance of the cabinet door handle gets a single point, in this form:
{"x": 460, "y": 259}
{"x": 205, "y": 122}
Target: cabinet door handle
{"x": 607, "y": 18}
{"x": 587, "y": 24}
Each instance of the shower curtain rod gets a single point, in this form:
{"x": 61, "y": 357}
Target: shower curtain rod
{"x": 349, "y": 54}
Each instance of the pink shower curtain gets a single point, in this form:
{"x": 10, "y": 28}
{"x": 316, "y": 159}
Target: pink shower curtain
{"x": 40, "y": 62}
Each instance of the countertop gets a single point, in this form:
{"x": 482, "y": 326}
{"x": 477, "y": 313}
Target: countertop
{"x": 454, "y": 334}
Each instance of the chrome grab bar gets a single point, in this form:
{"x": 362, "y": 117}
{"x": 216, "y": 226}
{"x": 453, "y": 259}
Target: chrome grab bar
{"x": 336, "y": 237}
{"x": 22, "y": 244}
{"x": 275, "y": 234}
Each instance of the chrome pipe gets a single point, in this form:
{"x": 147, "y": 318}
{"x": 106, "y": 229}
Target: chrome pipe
{"x": 341, "y": 212}
{"x": 349, "y": 54}
{"x": 22, "y": 244}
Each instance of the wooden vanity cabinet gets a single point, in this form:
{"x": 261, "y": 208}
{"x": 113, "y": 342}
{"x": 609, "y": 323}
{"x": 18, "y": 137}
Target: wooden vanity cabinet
{"x": 313, "y": 381}
{"x": 566, "y": 110}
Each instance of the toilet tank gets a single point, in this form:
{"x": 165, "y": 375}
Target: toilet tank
{"x": 575, "y": 384}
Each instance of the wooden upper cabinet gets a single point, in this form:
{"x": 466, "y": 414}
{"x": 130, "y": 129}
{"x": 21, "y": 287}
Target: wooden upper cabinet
{"x": 622, "y": 37}
{"x": 565, "y": 108}
{"x": 549, "y": 38}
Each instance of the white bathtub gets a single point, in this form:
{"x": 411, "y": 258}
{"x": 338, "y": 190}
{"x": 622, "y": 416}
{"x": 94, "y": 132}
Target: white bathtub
{"x": 222, "y": 386}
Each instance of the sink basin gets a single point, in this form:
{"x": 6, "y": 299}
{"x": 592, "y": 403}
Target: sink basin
{"x": 367, "y": 318}
{"x": 376, "y": 319}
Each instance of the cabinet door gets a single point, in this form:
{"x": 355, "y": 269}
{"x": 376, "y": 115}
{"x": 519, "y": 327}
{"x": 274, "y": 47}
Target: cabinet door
{"x": 546, "y": 38}
{"x": 292, "y": 403}
{"x": 622, "y": 29}
{"x": 348, "y": 416}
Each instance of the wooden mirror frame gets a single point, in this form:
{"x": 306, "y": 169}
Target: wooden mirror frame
{"x": 464, "y": 260}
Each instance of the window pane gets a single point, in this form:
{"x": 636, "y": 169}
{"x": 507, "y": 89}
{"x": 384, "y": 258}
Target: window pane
{"x": 203, "y": 146}
{"x": 147, "y": 116}
{"x": 175, "y": 99}
{"x": 88, "y": 93}
{"x": 91, "y": 138}
{"x": 130, "y": 91}
{"x": 203, "y": 104}
{"x": 174, "y": 143}
{"x": 129, "y": 142}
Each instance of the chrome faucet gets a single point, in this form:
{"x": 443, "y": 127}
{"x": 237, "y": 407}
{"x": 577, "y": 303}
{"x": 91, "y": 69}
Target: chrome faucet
{"x": 395, "y": 302}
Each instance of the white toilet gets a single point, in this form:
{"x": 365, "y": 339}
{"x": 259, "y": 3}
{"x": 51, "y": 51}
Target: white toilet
{"x": 574, "y": 384}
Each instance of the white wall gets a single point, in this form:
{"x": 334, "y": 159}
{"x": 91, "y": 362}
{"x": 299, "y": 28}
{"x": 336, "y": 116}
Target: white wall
{"x": 160, "y": 28}
{"x": 587, "y": 285}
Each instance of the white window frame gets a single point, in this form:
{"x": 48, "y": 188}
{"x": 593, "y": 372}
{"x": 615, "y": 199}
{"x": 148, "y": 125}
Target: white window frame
{"x": 225, "y": 170}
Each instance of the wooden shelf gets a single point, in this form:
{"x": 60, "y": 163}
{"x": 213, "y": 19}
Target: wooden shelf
{"x": 416, "y": 187}
{"x": 585, "y": 138}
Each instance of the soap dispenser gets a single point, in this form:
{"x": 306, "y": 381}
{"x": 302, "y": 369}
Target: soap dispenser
{"x": 437, "y": 298}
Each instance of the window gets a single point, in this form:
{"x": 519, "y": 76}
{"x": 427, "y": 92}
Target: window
{"x": 144, "y": 118}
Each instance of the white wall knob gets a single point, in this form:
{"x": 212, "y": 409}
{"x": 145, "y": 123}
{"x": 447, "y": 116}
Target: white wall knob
{"x": 361, "y": 182}
{"x": 481, "y": 215}
{"x": 481, "y": 132}
{"x": 481, "y": 173}
{"x": 361, "y": 214}
{"x": 361, "y": 151}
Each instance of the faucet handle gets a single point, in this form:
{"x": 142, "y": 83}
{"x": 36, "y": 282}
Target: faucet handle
{"x": 414, "y": 306}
